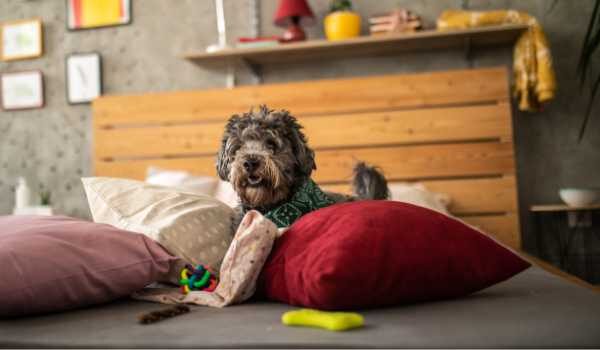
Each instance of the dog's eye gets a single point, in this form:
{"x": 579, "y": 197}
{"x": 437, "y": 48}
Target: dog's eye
{"x": 272, "y": 145}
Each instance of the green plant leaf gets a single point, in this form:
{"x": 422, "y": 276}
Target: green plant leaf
{"x": 587, "y": 47}
{"x": 588, "y": 113}
{"x": 591, "y": 48}
{"x": 594, "y": 42}
{"x": 591, "y": 42}
{"x": 552, "y": 6}
{"x": 340, "y": 5}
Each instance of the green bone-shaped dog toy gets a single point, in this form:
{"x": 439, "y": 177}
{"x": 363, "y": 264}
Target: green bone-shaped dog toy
{"x": 333, "y": 321}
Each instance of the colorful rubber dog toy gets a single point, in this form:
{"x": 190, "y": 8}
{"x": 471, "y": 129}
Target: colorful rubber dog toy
{"x": 333, "y": 321}
{"x": 201, "y": 278}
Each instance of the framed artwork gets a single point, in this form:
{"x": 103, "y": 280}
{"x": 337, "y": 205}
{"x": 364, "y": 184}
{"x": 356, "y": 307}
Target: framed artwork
{"x": 88, "y": 14}
{"x": 21, "y": 90}
{"x": 84, "y": 77}
{"x": 20, "y": 39}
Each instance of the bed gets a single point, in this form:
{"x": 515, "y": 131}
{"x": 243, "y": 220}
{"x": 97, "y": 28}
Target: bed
{"x": 451, "y": 131}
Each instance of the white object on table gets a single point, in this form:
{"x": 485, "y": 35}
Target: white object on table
{"x": 22, "y": 194}
{"x": 578, "y": 197}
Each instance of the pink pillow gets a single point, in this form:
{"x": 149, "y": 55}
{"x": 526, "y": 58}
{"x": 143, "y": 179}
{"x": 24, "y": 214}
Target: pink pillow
{"x": 52, "y": 263}
{"x": 378, "y": 253}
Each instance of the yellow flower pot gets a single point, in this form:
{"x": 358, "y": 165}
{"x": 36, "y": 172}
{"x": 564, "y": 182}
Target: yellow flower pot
{"x": 342, "y": 25}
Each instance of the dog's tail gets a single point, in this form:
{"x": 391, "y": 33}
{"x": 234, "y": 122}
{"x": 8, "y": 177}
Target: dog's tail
{"x": 369, "y": 182}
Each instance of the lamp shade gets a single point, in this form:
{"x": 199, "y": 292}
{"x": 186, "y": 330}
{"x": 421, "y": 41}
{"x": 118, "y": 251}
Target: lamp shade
{"x": 292, "y": 8}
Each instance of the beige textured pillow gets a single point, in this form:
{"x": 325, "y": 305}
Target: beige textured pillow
{"x": 195, "y": 227}
{"x": 242, "y": 265}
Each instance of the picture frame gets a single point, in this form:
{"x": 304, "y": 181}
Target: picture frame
{"x": 21, "y": 90}
{"x": 83, "y": 72}
{"x": 21, "y": 39}
{"x": 93, "y": 14}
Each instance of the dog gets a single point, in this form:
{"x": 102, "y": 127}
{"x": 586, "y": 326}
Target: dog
{"x": 265, "y": 156}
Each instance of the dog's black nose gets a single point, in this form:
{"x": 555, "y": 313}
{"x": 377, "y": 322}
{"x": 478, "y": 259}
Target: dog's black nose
{"x": 251, "y": 164}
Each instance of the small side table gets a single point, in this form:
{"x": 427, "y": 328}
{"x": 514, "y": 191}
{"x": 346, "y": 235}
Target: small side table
{"x": 578, "y": 219}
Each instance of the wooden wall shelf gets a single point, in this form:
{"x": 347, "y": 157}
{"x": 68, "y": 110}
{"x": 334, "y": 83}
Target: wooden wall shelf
{"x": 363, "y": 46}
{"x": 562, "y": 207}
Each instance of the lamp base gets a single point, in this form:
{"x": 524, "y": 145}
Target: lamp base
{"x": 293, "y": 33}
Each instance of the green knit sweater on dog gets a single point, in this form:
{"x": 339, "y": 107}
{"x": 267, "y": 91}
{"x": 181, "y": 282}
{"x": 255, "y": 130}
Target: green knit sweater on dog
{"x": 308, "y": 197}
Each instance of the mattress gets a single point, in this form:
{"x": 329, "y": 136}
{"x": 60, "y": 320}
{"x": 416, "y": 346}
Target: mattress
{"x": 533, "y": 309}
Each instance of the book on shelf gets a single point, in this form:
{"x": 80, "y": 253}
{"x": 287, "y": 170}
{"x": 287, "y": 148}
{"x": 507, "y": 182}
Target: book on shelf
{"x": 396, "y": 21}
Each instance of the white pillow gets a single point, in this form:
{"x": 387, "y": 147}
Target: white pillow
{"x": 208, "y": 185}
{"x": 226, "y": 194}
{"x": 417, "y": 194}
{"x": 182, "y": 179}
{"x": 195, "y": 227}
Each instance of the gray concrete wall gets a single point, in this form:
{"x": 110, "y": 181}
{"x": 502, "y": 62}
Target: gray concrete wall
{"x": 52, "y": 145}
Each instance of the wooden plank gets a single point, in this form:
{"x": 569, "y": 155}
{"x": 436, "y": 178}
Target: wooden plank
{"x": 505, "y": 227}
{"x": 402, "y": 162}
{"x": 158, "y": 141}
{"x": 468, "y": 196}
{"x": 478, "y": 195}
{"x": 418, "y": 162}
{"x": 344, "y": 130}
{"x": 562, "y": 207}
{"x": 309, "y": 98}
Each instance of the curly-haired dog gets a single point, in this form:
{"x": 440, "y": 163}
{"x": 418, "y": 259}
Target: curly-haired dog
{"x": 265, "y": 156}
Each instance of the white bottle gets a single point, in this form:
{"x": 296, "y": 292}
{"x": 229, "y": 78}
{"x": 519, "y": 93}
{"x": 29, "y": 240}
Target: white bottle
{"x": 22, "y": 194}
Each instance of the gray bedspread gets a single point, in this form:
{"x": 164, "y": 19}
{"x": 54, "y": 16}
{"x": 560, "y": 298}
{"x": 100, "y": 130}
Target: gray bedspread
{"x": 533, "y": 309}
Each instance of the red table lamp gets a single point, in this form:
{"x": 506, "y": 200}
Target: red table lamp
{"x": 289, "y": 14}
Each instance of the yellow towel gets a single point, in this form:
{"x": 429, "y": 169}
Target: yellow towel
{"x": 535, "y": 82}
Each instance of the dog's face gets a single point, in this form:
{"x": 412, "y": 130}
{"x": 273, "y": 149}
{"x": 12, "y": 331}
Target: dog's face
{"x": 265, "y": 156}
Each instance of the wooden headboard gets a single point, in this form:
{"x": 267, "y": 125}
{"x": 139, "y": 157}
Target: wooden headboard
{"x": 450, "y": 130}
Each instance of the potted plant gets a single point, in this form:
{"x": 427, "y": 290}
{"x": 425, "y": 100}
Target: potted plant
{"x": 342, "y": 23}
{"x": 45, "y": 207}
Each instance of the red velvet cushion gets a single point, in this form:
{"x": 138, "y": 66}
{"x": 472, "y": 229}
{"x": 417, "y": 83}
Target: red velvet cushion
{"x": 54, "y": 263}
{"x": 378, "y": 253}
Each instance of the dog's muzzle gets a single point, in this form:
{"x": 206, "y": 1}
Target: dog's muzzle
{"x": 251, "y": 165}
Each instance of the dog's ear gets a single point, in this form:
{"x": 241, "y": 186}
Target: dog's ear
{"x": 225, "y": 154}
{"x": 305, "y": 156}
{"x": 223, "y": 161}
